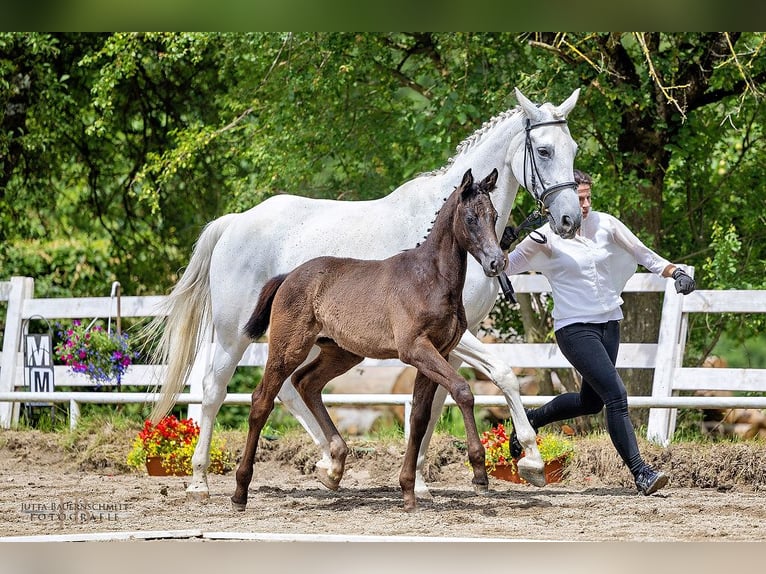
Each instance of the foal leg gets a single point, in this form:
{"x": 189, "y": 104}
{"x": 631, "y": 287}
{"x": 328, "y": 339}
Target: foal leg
{"x": 422, "y": 399}
{"x": 309, "y": 381}
{"x": 423, "y": 355}
{"x": 437, "y": 408}
{"x": 286, "y": 353}
{"x": 479, "y": 355}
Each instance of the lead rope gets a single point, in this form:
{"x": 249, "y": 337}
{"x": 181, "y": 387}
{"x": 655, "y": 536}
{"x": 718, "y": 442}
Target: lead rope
{"x": 510, "y": 235}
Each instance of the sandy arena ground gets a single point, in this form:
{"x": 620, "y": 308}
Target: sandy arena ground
{"x": 716, "y": 493}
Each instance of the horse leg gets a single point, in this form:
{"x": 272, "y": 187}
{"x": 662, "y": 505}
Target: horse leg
{"x": 215, "y": 382}
{"x": 422, "y": 355}
{"x": 422, "y": 399}
{"x": 309, "y": 381}
{"x": 479, "y": 355}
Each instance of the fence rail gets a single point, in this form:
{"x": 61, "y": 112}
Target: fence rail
{"x": 665, "y": 356}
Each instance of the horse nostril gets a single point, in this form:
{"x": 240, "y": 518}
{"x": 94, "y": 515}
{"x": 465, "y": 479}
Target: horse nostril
{"x": 566, "y": 222}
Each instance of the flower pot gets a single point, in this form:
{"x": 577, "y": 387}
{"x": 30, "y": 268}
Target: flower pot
{"x": 554, "y": 472}
{"x": 154, "y": 468}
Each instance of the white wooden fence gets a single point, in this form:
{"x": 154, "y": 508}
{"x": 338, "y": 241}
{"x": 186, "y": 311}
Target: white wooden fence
{"x": 665, "y": 356}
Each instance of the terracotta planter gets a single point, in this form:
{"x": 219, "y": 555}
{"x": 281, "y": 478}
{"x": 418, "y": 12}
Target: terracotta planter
{"x": 154, "y": 468}
{"x": 554, "y": 472}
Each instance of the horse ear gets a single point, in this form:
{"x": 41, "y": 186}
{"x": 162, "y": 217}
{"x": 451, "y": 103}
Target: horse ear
{"x": 563, "y": 110}
{"x": 489, "y": 182}
{"x": 467, "y": 188}
{"x": 532, "y": 111}
{"x": 467, "y": 180}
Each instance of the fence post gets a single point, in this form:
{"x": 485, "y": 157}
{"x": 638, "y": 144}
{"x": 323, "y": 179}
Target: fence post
{"x": 21, "y": 289}
{"x": 670, "y": 349}
{"x": 74, "y": 414}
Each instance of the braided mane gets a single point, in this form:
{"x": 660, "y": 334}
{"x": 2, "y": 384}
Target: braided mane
{"x": 473, "y": 139}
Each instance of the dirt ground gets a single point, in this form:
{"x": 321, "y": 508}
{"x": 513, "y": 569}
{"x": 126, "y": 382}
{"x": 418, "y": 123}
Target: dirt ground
{"x": 49, "y": 485}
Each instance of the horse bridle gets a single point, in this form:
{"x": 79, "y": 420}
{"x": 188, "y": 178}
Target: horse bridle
{"x": 535, "y": 175}
{"x": 537, "y": 217}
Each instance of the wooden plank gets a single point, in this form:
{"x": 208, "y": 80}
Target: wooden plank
{"x": 549, "y": 356}
{"x": 728, "y": 301}
{"x": 90, "y": 307}
{"x": 692, "y": 379}
{"x": 137, "y": 375}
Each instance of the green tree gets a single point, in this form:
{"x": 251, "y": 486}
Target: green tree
{"x": 117, "y": 148}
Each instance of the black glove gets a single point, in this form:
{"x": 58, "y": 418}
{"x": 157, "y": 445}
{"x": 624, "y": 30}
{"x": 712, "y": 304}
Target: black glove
{"x": 684, "y": 283}
{"x": 509, "y": 236}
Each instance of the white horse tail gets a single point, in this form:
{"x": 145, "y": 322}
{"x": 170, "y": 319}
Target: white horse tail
{"x": 186, "y": 318}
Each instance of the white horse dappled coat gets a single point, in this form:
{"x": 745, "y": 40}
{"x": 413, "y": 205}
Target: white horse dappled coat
{"x": 237, "y": 253}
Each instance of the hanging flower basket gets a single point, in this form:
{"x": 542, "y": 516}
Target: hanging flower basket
{"x": 99, "y": 354}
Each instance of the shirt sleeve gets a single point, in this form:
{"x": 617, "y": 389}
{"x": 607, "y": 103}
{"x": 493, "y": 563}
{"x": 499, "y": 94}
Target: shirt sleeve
{"x": 645, "y": 256}
{"x": 521, "y": 258}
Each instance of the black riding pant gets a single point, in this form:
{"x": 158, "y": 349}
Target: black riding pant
{"x": 592, "y": 350}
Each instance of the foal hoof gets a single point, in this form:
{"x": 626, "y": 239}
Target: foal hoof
{"x": 531, "y": 473}
{"x": 481, "y": 489}
{"x": 327, "y": 482}
{"x": 238, "y": 506}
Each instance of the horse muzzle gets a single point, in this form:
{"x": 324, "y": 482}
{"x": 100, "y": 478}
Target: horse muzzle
{"x": 567, "y": 227}
{"x": 494, "y": 265}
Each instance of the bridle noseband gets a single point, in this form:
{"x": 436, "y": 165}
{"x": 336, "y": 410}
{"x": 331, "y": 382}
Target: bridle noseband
{"x": 541, "y": 198}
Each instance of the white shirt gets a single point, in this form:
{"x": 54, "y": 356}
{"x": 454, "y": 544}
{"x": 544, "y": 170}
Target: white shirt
{"x": 588, "y": 273}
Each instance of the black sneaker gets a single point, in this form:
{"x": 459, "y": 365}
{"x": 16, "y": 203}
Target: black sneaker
{"x": 649, "y": 481}
{"x": 513, "y": 441}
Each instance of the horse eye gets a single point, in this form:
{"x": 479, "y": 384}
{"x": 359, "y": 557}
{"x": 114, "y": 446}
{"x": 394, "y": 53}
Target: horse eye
{"x": 544, "y": 152}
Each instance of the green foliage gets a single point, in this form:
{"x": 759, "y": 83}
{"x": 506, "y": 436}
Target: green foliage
{"x": 117, "y": 148}
{"x": 721, "y": 268}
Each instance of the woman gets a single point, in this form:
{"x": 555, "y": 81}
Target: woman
{"x": 587, "y": 275}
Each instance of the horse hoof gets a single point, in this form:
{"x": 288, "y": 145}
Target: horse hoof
{"x": 326, "y": 481}
{"x": 238, "y": 506}
{"x": 531, "y": 473}
{"x": 421, "y": 490}
{"x": 197, "y": 495}
{"x": 481, "y": 489}
{"x": 424, "y": 494}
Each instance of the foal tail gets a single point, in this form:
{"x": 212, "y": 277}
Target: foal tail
{"x": 189, "y": 318}
{"x": 259, "y": 320}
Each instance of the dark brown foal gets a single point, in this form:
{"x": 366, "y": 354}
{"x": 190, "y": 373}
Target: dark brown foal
{"x": 408, "y": 306}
